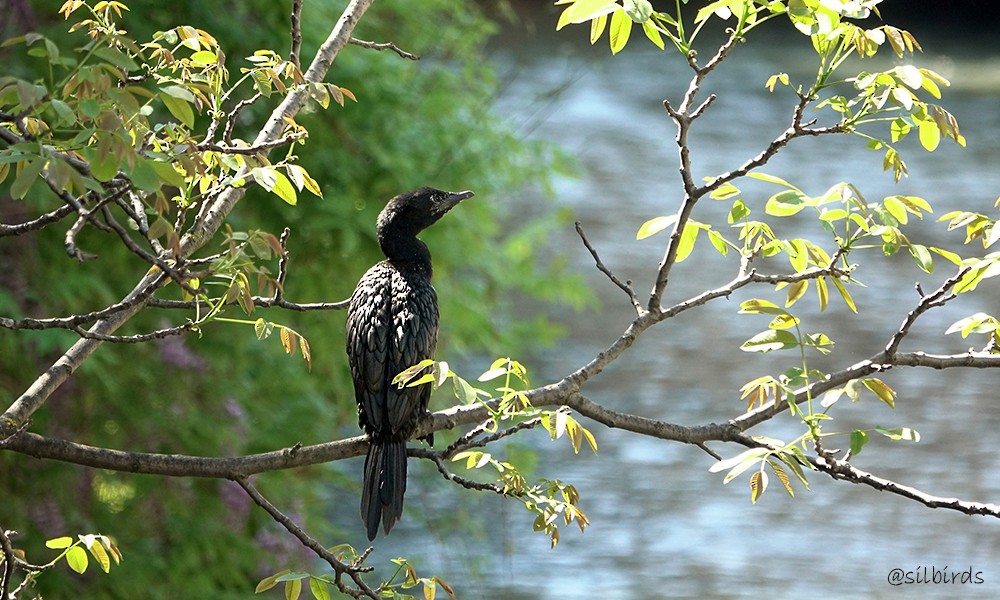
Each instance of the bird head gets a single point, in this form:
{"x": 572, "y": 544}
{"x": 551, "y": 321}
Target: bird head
{"x": 412, "y": 212}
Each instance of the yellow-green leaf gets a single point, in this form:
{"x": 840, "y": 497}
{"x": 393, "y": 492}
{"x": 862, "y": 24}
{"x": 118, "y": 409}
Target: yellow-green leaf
{"x": 284, "y": 189}
{"x": 845, "y": 295}
{"x": 293, "y": 589}
{"x": 880, "y": 389}
{"x": 101, "y": 555}
{"x": 758, "y": 483}
{"x": 930, "y": 135}
{"x": 76, "y": 558}
{"x": 796, "y": 291}
{"x": 59, "y": 542}
{"x": 654, "y": 226}
{"x": 621, "y": 28}
{"x": 597, "y": 28}
{"x": 688, "y": 237}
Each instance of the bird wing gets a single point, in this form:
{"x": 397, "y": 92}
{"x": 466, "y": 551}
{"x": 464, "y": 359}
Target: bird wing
{"x": 413, "y": 339}
{"x": 392, "y": 325}
{"x": 368, "y": 339}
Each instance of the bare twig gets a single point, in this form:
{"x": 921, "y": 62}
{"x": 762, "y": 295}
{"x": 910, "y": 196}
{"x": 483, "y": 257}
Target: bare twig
{"x": 227, "y": 133}
{"x": 137, "y": 338}
{"x": 625, "y": 287}
{"x": 279, "y": 290}
{"x": 843, "y": 470}
{"x": 462, "y": 481}
{"x": 37, "y": 223}
{"x": 385, "y": 46}
{"x": 340, "y": 568}
{"x": 939, "y": 297}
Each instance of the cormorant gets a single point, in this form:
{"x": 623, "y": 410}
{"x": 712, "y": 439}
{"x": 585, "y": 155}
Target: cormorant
{"x": 392, "y": 324}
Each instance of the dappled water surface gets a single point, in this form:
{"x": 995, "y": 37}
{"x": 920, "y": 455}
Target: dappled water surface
{"x": 662, "y": 526}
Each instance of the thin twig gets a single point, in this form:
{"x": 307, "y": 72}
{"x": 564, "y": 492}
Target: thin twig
{"x": 37, "y": 223}
{"x": 340, "y": 568}
{"x": 136, "y": 338}
{"x": 939, "y": 297}
{"x": 279, "y": 290}
{"x": 251, "y": 150}
{"x": 625, "y": 287}
{"x": 385, "y": 46}
{"x": 227, "y": 133}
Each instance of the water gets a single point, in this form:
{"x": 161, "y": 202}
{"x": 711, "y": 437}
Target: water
{"x": 662, "y": 526}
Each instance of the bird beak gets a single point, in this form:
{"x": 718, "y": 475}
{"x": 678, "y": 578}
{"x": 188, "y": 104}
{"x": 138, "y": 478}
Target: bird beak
{"x": 451, "y": 199}
{"x": 457, "y": 197}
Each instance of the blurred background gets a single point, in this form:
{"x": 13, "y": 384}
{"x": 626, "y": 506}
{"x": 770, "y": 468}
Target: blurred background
{"x": 547, "y": 130}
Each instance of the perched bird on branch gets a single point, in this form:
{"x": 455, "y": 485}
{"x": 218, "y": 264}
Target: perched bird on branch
{"x": 392, "y": 324}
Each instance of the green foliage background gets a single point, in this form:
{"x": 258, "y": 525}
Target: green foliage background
{"x": 415, "y": 123}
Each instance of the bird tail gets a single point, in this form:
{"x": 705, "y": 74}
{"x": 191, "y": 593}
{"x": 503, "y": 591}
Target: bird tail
{"x": 385, "y": 484}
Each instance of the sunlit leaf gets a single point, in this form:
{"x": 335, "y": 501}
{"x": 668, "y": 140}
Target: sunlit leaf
{"x": 772, "y": 339}
{"x": 654, "y": 226}
{"x": 621, "y": 28}
{"x": 880, "y": 389}
{"x": 758, "y": 483}
{"x": 930, "y": 135}
{"x": 76, "y": 558}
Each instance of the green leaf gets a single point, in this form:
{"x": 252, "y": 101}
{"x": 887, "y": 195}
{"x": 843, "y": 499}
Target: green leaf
{"x": 923, "y": 257}
{"x": 179, "y": 108}
{"x": 597, "y": 28}
{"x": 104, "y": 169}
{"x": 858, "y": 440}
{"x": 25, "y": 177}
{"x": 621, "y": 28}
{"x": 76, "y": 558}
{"x": 144, "y": 176}
{"x": 320, "y": 590}
{"x": 654, "y": 226}
{"x": 116, "y": 57}
{"x": 772, "y": 339}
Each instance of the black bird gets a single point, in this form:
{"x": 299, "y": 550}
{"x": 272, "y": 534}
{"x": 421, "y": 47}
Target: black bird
{"x": 392, "y": 324}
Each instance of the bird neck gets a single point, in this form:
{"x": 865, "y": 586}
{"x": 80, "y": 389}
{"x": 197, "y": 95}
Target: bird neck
{"x": 407, "y": 253}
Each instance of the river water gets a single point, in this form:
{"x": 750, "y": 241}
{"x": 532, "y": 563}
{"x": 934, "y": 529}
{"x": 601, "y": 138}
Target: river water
{"x": 662, "y": 525}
